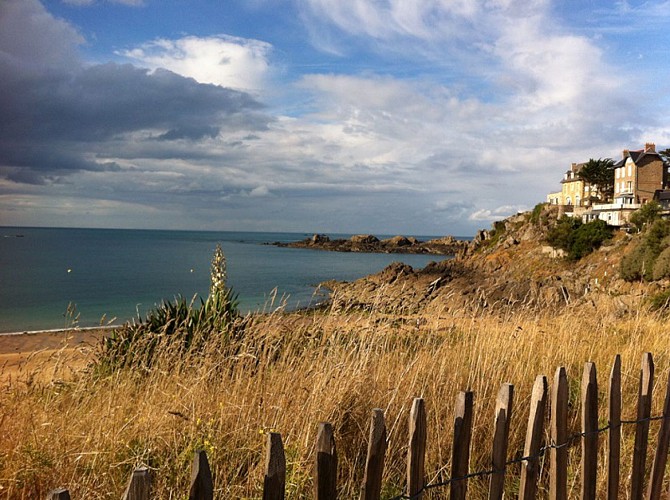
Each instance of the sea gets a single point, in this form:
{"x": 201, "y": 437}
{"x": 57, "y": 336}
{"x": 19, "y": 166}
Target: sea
{"x": 55, "y": 278}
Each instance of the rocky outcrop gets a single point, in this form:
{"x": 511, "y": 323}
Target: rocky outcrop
{"x": 447, "y": 245}
{"x": 509, "y": 267}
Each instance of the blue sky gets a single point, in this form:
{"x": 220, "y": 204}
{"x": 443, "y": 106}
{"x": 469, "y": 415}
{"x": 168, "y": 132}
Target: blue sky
{"x": 384, "y": 116}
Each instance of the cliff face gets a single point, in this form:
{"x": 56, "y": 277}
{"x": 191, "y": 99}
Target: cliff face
{"x": 510, "y": 267}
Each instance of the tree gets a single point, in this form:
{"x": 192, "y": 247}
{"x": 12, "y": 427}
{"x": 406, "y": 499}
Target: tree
{"x": 649, "y": 212}
{"x": 599, "y": 174}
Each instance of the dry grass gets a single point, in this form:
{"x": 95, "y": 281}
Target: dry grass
{"x": 291, "y": 371}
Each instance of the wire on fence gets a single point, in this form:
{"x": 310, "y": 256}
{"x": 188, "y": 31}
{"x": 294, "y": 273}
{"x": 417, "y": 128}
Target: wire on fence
{"x": 568, "y": 441}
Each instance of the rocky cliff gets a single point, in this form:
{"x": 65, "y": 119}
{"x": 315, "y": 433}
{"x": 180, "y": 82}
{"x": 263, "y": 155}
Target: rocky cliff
{"x": 509, "y": 267}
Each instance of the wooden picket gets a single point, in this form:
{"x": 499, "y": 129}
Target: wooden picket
{"x": 325, "y": 464}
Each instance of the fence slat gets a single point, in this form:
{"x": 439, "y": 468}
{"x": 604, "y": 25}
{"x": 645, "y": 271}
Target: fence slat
{"x": 274, "y": 482}
{"x": 614, "y": 433}
{"x": 374, "y": 463}
{"x": 530, "y": 467}
{"x": 58, "y": 494}
{"x": 460, "y": 457}
{"x": 661, "y": 456}
{"x": 503, "y": 417}
{"x": 139, "y": 486}
{"x": 558, "y": 457}
{"x": 416, "y": 453}
{"x": 202, "y": 487}
{"x": 642, "y": 428}
{"x": 590, "y": 430}
{"x": 325, "y": 482}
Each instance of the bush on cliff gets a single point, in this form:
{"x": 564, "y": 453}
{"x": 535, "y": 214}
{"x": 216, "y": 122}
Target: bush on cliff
{"x": 576, "y": 238}
{"x": 649, "y": 213}
{"x": 644, "y": 261}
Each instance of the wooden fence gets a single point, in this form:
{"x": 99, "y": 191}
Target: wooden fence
{"x": 544, "y": 398}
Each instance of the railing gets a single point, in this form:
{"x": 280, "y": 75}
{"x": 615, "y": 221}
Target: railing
{"x": 553, "y": 400}
{"x": 617, "y": 206}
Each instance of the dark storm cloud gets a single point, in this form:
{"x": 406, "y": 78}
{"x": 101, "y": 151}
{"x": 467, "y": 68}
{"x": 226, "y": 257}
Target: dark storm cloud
{"x": 52, "y": 120}
{"x": 103, "y": 101}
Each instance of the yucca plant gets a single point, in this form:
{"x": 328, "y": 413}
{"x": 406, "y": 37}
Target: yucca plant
{"x": 176, "y": 327}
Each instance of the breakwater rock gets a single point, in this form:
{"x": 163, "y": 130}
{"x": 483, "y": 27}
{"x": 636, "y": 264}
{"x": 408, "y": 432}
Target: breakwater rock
{"x": 371, "y": 244}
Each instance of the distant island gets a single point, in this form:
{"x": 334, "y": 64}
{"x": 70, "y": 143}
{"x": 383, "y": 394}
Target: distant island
{"x": 371, "y": 244}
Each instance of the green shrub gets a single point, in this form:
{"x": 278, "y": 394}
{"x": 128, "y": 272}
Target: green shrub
{"x": 561, "y": 235}
{"x": 662, "y": 265}
{"x": 576, "y": 238}
{"x": 641, "y": 261}
{"x": 649, "y": 213}
{"x": 537, "y": 212}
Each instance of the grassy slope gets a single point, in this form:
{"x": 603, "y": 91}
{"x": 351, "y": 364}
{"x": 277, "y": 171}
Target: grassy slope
{"x": 384, "y": 341}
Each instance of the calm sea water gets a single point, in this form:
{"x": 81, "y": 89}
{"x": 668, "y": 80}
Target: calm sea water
{"x": 116, "y": 273}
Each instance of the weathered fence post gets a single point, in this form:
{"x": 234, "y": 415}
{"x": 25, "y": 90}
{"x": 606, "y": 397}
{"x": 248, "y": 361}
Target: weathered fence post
{"x": 139, "y": 486}
{"x": 614, "y": 433}
{"x": 202, "y": 487}
{"x": 58, "y": 494}
{"x": 530, "y": 467}
{"x": 460, "y": 457}
{"x": 642, "y": 428}
{"x": 661, "y": 456}
{"x": 274, "y": 482}
{"x": 558, "y": 454}
{"x": 590, "y": 431}
{"x": 503, "y": 416}
{"x": 374, "y": 463}
{"x": 416, "y": 453}
{"x": 325, "y": 481}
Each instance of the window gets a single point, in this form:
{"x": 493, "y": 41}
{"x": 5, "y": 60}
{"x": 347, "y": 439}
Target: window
{"x": 630, "y": 170}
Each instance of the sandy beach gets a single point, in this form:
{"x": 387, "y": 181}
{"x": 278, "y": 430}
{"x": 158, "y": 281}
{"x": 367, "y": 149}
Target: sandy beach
{"x": 45, "y": 356}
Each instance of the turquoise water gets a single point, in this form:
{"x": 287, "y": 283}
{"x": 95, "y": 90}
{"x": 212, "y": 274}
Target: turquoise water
{"x": 115, "y": 273}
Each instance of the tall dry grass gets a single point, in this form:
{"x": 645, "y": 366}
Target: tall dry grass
{"x": 290, "y": 371}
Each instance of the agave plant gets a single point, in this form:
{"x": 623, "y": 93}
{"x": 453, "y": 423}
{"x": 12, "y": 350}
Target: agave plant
{"x": 178, "y": 326}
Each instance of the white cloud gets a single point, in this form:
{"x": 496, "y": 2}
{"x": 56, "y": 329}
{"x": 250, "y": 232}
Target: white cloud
{"x": 223, "y": 60}
{"x": 489, "y": 215}
{"x": 259, "y": 192}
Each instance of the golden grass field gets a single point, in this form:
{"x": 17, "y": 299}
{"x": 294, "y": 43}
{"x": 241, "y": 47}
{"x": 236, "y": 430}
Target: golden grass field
{"x": 61, "y": 425}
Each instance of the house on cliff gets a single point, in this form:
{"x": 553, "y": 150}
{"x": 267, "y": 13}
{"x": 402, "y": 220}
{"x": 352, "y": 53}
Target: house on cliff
{"x": 639, "y": 177}
{"x": 574, "y": 194}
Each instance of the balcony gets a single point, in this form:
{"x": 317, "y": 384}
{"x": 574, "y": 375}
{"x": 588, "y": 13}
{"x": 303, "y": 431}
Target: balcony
{"x": 616, "y": 206}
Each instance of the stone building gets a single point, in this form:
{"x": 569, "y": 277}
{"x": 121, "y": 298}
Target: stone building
{"x": 574, "y": 191}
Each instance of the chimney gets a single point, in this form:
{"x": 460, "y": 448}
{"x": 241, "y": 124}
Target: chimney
{"x": 625, "y": 153}
{"x": 650, "y": 147}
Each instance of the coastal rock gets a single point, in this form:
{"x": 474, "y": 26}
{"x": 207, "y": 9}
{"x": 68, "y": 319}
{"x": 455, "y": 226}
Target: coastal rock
{"x": 319, "y": 239}
{"x": 399, "y": 241}
{"x": 366, "y": 239}
{"x": 370, "y": 243}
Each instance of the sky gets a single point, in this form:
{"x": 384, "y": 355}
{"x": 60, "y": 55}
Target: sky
{"x": 413, "y": 117}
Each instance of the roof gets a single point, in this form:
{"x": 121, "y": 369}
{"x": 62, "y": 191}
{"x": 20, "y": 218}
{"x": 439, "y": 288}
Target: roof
{"x": 662, "y": 195}
{"x": 639, "y": 155}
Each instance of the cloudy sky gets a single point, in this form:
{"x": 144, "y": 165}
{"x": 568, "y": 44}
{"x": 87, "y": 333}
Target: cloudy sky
{"x": 382, "y": 116}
